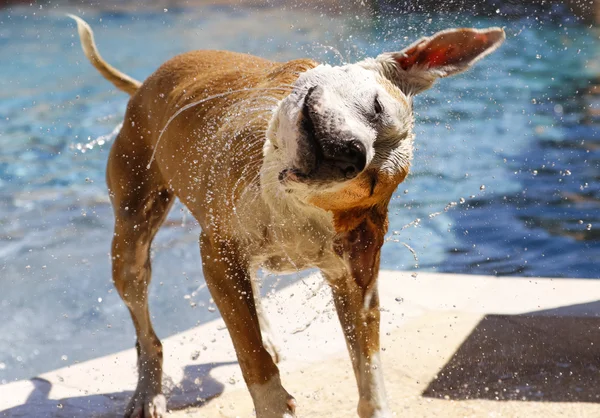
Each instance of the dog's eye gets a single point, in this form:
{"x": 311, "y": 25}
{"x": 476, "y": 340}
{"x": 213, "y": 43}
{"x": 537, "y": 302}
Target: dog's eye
{"x": 378, "y": 107}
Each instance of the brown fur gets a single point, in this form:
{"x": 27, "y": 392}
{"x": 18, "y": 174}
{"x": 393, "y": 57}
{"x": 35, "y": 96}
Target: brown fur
{"x": 210, "y": 156}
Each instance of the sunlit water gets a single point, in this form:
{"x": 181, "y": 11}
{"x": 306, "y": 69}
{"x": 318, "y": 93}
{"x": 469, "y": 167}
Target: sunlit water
{"x": 515, "y": 138}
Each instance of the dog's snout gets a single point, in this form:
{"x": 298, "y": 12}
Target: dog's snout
{"x": 350, "y": 158}
{"x": 332, "y": 149}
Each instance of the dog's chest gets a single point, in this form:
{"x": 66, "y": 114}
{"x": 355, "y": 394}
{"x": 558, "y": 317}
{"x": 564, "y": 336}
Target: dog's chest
{"x": 297, "y": 243}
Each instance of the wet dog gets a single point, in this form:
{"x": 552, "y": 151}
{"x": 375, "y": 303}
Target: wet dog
{"x": 285, "y": 166}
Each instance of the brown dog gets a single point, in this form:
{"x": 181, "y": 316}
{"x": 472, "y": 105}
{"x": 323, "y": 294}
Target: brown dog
{"x": 285, "y": 166}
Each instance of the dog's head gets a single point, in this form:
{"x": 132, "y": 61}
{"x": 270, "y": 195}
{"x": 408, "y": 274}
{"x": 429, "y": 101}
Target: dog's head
{"x": 343, "y": 140}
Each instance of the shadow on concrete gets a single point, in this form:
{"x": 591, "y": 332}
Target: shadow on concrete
{"x": 195, "y": 389}
{"x": 551, "y": 355}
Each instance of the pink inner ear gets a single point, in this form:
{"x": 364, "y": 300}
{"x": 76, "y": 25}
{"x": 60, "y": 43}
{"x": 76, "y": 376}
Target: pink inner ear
{"x": 439, "y": 57}
{"x": 452, "y": 48}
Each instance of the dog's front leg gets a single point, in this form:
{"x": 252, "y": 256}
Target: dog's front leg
{"x": 359, "y": 317}
{"x": 228, "y": 279}
{"x": 357, "y": 303}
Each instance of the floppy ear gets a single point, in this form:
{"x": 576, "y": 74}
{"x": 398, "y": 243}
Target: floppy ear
{"x": 446, "y": 53}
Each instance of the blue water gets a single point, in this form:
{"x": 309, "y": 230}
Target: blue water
{"x": 515, "y": 138}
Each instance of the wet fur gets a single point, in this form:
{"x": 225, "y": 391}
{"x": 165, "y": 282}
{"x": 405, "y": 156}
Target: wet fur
{"x": 243, "y": 164}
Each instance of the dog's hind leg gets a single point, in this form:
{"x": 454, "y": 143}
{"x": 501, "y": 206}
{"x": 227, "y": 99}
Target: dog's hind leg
{"x": 228, "y": 279}
{"x": 141, "y": 202}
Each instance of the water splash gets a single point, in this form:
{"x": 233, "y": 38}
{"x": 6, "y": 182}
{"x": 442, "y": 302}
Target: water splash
{"x": 99, "y": 141}
{"x": 196, "y": 103}
{"x": 335, "y": 51}
{"x": 418, "y": 222}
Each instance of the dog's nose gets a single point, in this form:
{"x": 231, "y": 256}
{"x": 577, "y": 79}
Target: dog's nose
{"x": 350, "y": 157}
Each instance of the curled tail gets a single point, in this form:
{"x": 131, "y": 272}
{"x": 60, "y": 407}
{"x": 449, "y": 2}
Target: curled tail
{"x": 120, "y": 80}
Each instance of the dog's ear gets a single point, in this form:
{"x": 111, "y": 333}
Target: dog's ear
{"x": 446, "y": 53}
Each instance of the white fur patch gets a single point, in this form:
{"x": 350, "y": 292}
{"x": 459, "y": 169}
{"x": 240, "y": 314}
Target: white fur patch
{"x": 372, "y": 403}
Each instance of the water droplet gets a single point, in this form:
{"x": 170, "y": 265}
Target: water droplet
{"x": 211, "y": 309}
{"x": 482, "y": 187}
{"x": 399, "y": 299}
{"x": 538, "y": 56}
{"x": 99, "y": 300}
{"x": 64, "y": 357}
{"x": 535, "y": 172}
{"x": 195, "y": 355}
{"x": 497, "y": 11}
{"x": 2, "y": 366}
{"x": 588, "y": 227}
{"x": 165, "y": 10}
{"x": 59, "y": 406}
{"x": 462, "y": 200}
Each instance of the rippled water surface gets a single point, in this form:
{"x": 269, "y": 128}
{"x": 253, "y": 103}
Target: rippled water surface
{"x": 504, "y": 182}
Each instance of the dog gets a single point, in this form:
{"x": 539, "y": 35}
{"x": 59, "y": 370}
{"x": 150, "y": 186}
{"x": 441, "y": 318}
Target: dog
{"x": 285, "y": 166}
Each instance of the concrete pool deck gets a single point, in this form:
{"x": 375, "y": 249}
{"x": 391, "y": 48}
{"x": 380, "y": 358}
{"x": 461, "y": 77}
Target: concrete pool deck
{"x": 455, "y": 346}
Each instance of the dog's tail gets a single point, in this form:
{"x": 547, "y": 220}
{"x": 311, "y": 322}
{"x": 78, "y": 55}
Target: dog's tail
{"x": 120, "y": 80}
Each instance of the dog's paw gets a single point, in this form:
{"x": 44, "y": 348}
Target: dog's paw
{"x": 285, "y": 410}
{"x": 146, "y": 406}
{"x": 271, "y": 400}
{"x": 367, "y": 409}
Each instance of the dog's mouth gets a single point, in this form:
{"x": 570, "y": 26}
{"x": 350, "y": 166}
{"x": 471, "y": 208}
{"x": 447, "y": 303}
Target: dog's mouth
{"x": 322, "y": 158}
{"x": 293, "y": 175}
